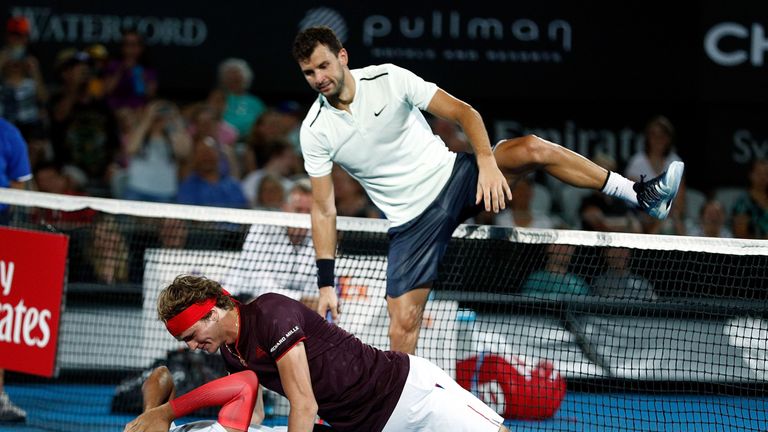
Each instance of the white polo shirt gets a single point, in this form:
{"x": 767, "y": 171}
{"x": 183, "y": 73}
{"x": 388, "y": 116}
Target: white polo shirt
{"x": 385, "y": 143}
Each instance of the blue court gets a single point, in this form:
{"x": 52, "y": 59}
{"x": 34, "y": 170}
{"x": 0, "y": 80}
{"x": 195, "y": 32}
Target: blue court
{"x": 53, "y": 407}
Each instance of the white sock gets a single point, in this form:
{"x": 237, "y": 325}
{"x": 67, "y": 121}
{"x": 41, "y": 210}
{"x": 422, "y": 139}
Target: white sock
{"x": 621, "y": 187}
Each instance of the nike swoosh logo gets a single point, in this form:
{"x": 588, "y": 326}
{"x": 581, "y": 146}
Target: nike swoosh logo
{"x": 377, "y": 113}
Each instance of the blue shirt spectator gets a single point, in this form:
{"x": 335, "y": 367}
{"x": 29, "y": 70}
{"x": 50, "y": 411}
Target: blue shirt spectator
{"x": 205, "y": 185}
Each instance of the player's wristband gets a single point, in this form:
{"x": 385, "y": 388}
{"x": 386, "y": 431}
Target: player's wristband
{"x": 325, "y": 272}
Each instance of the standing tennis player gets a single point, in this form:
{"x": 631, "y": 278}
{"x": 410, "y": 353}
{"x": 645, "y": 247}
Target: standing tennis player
{"x": 319, "y": 367}
{"x": 369, "y": 121}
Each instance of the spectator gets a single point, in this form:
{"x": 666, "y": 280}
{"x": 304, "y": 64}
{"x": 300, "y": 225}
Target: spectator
{"x": 50, "y": 178}
{"x": 350, "y": 197}
{"x": 173, "y": 233}
{"x": 14, "y": 173}
{"x": 291, "y": 268}
{"x": 206, "y": 186}
{"x": 658, "y": 153}
{"x": 269, "y": 128}
{"x": 106, "y": 253}
{"x": 130, "y": 81}
{"x": 711, "y": 221}
{"x": 241, "y": 108}
{"x": 39, "y": 144}
{"x": 23, "y": 93}
{"x": 271, "y": 193}
{"x": 83, "y": 128}
{"x": 554, "y": 279}
{"x": 156, "y": 147}
{"x": 618, "y": 281}
{"x": 750, "y": 213}
{"x": 206, "y": 122}
{"x": 281, "y": 162}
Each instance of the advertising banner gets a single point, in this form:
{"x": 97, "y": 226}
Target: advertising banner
{"x": 32, "y": 268}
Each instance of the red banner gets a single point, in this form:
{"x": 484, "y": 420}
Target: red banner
{"x": 31, "y": 280}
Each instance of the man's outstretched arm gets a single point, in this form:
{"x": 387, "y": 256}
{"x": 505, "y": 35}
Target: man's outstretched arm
{"x": 324, "y": 239}
{"x": 235, "y": 393}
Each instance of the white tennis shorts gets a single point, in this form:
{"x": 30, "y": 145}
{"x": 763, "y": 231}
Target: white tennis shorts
{"x": 433, "y": 401}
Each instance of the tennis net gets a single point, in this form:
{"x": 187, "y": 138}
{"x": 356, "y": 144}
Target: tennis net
{"x": 573, "y": 329}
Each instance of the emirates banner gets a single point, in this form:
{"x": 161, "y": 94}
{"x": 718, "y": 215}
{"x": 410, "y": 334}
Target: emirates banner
{"x": 32, "y": 268}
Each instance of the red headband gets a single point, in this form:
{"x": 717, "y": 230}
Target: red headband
{"x": 189, "y": 316}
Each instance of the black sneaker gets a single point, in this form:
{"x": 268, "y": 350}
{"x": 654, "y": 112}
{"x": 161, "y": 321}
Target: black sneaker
{"x": 9, "y": 412}
{"x": 655, "y": 196}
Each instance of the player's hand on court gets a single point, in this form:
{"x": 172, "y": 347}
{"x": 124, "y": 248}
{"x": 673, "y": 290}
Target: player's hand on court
{"x": 155, "y": 420}
{"x": 328, "y": 301}
{"x": 492, "y": 187}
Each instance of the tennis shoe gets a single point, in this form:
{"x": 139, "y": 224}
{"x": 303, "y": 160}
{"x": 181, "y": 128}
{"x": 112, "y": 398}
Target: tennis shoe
{"x": 9, "y": 412}
{"x": 655, "y": 196}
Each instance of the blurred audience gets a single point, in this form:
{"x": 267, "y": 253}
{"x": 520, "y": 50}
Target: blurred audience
{"x": 173, "y": 233}
{"x": 271, "y": 126}
{"x": 49, "y": 177}
{"x": 241, "y": 108}
{"x": 618, "y": 281}
{"x": 554, "y": 279}
{"x": 83, "y": 128}
{"x": 658, "y": 152}
{"x": 130, "y": 81}
{"x": 106, "y": 253}
{"x": 23, "y": 93}
{"x": 750, "y": 213}
{"x": 205, "y": 185}
{"x": 271, "y": 193}
{"x": 281, "y": 162}
{"x": 350, "y": 197}
{"x": 519, "y": 212}
{"x": 205, "y": 121}
{"x": 155, "y": 148}
{"x": 712, "y": 221}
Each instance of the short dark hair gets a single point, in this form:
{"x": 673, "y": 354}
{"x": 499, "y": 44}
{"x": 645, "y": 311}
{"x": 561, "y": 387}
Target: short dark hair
{"x": 311, "y": 37}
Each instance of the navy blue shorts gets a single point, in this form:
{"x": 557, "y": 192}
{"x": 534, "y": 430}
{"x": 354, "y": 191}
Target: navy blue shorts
{"x": 416, "y": 247}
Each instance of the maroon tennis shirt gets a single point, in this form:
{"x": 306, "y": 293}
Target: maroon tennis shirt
{"x": 356, "y": 386}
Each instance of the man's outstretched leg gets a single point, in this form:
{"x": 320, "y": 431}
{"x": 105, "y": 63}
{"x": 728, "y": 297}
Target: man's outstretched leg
{"x": 405, "y": 314}
{"x": 519, "y": 156}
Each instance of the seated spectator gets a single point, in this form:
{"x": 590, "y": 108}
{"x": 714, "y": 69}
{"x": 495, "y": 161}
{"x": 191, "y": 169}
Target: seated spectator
{"x": 205, "y": 120}
{"x": 711, "y": 221}
{"x": 281, "y": 162}
{"x": 49, "y": 177}
{"x": 99, "y": 61}
{"x": 173, "y": 233}
{"x": 106, "y": 253}
{"x": 205, "y": 185}
{"x": 350, "y": 197}
{"x": 750, "y": 213}
{"x": 271, "y": 193}
{"x": 272, "y": 126}
{"x": 601, "y": 212}
{"x": 290, "y": 269}
{"x": 156, "y": 147}
{"x": 554, "y": 279}
{"x": 130, "y": 81}
{"x": 658, "y": 153}
{"x": 618, "y": 281}
{"x": 242, "y": 108}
